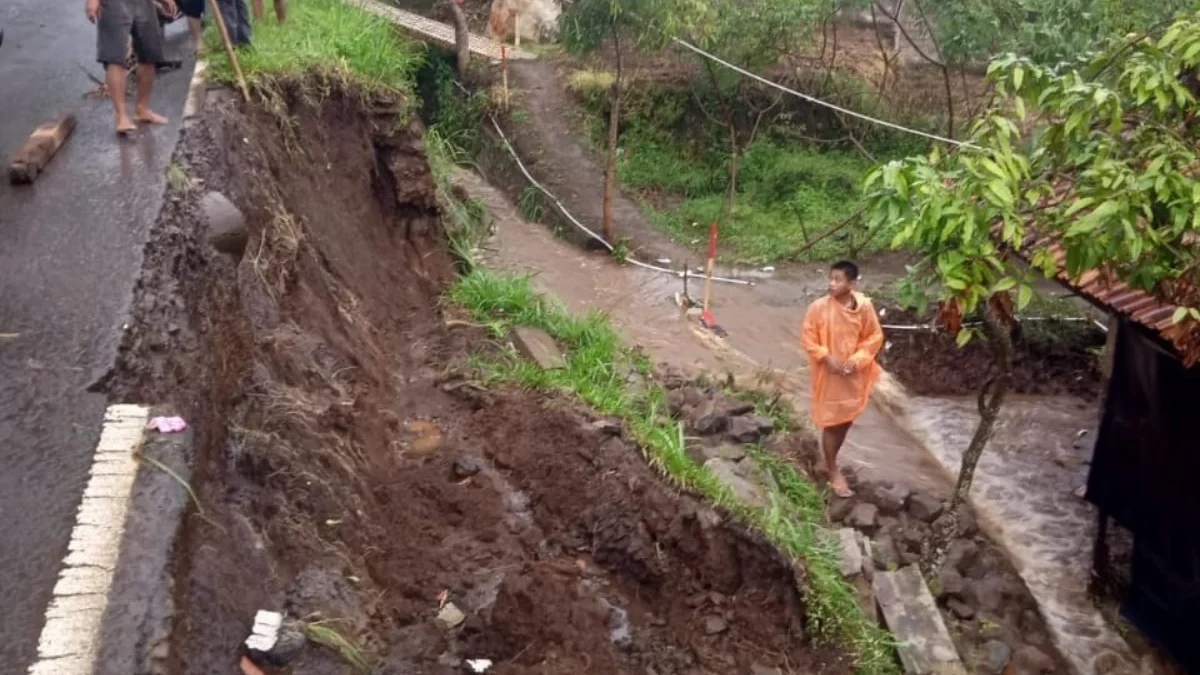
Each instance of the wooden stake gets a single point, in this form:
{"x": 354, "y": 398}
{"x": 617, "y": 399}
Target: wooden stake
{"x": 504, "y": 74}
{"x": 517, "y": 29}
{"x": 216, "y": 11}
{"x": 29, "y": 160}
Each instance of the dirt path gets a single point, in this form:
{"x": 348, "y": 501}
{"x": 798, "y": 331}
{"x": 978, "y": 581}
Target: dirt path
{"x": 559, "y": 158}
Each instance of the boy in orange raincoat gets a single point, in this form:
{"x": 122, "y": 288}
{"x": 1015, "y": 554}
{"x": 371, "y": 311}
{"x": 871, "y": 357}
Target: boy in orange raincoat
{"x": 841, "y": 336}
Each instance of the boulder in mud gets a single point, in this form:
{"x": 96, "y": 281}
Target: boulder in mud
{"x": 1034, "y": 661}
{"x": 536, "y": 345}
{"x": 850, "y": 561}
{"x": 749, "y": 428}
{"x": 864, "y": 516}
{"x": 925, "y": 508}
{"x": 747, "y": 491}
{"x": 996, "y": 657}
{"x": 950, "y": 584}
{"x": 892, "y": 498}
{"x": 729, "y": 451}
{"x": 962, "y": 555}
{"x": 225, "y": 224}
{"x": 883, "y": 553}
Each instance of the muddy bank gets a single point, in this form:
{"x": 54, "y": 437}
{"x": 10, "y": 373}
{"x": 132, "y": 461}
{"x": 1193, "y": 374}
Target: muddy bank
{"x": 1052, "y": 358}
{"x": 350, "y": 473}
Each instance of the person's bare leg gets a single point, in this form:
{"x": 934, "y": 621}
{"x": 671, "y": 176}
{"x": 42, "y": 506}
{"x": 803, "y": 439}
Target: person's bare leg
{"x": 145, "y": 84}
{"x": 197, "y": 30}
{"x": 115, "y": 80}
{"x": 281, "y": 11}
{"x": 257, "y": 7}
{"x": 832, "y": 439}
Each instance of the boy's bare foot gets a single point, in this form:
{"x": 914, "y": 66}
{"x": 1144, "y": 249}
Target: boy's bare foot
{"x": 837, "y": 482}
{"x": 125, "y": 127}
{"x": 150, "y": 117}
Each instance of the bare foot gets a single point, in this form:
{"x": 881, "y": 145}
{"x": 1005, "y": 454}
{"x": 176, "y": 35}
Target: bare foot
{"x": 839, "y": 485}
{"x": 150, "y": 117}
{"x": 125, "y": 127}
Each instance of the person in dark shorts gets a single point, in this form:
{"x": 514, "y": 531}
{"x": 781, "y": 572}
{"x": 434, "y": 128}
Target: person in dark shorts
{"x": 237, "y": 20}
{"x": 194, "y": 11}
{"x": 116, "y": 21}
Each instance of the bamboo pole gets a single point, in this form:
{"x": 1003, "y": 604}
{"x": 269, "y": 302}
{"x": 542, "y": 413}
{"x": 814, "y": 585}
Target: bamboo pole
{"x": 504, "y": 74}
{"x": 237, "y": 68}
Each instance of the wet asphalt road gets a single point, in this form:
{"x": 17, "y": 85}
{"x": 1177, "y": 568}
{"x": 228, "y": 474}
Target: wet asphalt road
{"x": 70, "y": 252}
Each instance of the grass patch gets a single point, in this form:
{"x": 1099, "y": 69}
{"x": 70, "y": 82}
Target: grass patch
{"x": 614, "y": 380}
{"x": 587, "y": 81}
{"x": 323, "y": 634}
{"x": 788, "y": 195}
{"x": 789, "y": 191}
{"x": 328, "y": 35}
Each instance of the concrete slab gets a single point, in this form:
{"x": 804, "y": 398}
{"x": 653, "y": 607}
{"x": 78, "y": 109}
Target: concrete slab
{"x": 536, "y": 345}
{"x": 909, "y": 611}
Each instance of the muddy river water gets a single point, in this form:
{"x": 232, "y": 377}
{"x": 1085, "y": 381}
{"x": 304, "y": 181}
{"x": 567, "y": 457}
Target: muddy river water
{"x": 1026, "y": 482}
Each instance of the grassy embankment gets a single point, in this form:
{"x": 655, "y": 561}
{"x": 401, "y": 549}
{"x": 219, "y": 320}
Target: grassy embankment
{"x": 357, "y": 49}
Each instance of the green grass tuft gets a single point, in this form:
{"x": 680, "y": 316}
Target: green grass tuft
{"x": 322, "y": 633}
{"x": 321, "y": 34}
{"x": 614, "y": 380}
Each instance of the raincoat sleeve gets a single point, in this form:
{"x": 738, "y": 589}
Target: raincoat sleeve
{"x": 870, "y": 338}
{"x": 810, "y": 337}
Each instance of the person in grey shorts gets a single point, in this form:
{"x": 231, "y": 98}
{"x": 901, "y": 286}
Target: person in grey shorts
{"x": 116, "y": 22}
{"x": 237, "y": 20}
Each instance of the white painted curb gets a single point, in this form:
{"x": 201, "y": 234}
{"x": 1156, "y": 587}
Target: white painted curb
{"x": 197, "y": 90}
{"x": 70, "y": 637}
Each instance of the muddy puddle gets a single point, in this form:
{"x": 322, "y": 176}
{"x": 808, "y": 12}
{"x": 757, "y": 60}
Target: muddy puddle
{"x": 350, "y": 480}
{"x": 1044, "y": 527}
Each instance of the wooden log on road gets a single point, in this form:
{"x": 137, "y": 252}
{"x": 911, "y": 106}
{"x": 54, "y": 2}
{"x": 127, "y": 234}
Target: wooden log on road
{"x": 32, "y": 157}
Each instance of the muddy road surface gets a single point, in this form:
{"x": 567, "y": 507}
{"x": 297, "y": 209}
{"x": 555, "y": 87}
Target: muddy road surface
{"x": 352, "y": 475}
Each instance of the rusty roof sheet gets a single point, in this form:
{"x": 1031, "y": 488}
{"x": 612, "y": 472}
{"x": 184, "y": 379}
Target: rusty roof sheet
{"x": 1134, "y": 303}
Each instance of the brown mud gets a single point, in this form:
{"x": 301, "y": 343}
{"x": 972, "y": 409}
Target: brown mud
{"x": 1051, "y": 358}
{"x": 349, "y": 471}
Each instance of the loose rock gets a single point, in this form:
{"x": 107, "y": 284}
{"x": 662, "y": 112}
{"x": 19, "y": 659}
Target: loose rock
{"x": 962, "y": 555}
{"x": 745, "y": 429}
{"x": 465, "y": 467}
{"x": 451, "y": 616}
{"x": 950, "y": 583}
{"x": 883, "y": 553}
{"x": 226, "y": 225}
{"x": 714, "y": 624}
{"x": 729, "y": 451}
{"x": 839, "y": 509}
{"x": 851, "y": 561}
{"x": 961, "y": 609}
{"x": 863, "y": 516}
{"x": 892, "y": 498}
{"x": 1034, "y": 660}
{"x": 997, "y": 656}
{"x": 925, "y": 508}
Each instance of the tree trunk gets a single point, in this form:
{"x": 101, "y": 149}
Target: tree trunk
{"x": 735, "y": 165}
{"x": 614, "y": 123}
{"x": 462, "y": 38}
{"x": 991, "y": 398}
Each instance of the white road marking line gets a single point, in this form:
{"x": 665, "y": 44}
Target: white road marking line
{"x": 69, "y": 640}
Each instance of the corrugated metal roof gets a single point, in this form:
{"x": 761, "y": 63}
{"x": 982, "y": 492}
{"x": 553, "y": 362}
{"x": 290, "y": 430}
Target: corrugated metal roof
{"x": 1115, "y": 296}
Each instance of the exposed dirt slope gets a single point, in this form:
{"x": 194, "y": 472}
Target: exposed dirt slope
{"x": 347, "y": 472}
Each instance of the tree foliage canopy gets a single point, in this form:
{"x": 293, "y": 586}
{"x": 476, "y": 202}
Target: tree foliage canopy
{"x": 1099, "y": 156}
{"x": 1047, "y": 31}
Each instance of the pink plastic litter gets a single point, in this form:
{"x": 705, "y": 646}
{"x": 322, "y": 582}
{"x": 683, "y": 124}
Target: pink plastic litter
{"x": 168, "y": 425}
